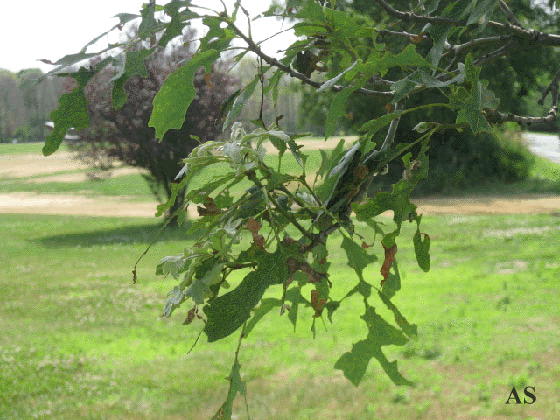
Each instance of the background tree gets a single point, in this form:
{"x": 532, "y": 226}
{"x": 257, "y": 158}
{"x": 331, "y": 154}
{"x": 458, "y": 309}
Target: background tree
{"x": 39, "y": 99}
{"x": 26, "y": 100}
{"x": 273, "y": 227}
{"x": 11, "y": 116}
{"x": 124, "y": 134}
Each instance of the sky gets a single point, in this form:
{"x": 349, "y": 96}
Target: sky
{"x": 41, "y": 29}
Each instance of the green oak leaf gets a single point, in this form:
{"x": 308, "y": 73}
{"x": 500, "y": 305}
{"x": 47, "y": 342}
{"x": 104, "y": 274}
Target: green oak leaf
{"x": 472, "y": 99}
{"x": 71, "y": 112}
{"x": 149, "y": 22}
{"x": 264, "y": 308}
{"x": 226, "y": 313}
{"x": 239, "y": 102}
{"x": 421, "y": 247}
{"x": 439, "y": 35}
{"x": 134, "y": 65}
{"x": 177, "y": 93}
{"x": 338, "y": 107}
{"x": 469, "y": 105}
{"x": 173, "y": 28}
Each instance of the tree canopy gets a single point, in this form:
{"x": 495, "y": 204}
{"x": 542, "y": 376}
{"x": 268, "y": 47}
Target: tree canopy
{"x": 263, "y": 233}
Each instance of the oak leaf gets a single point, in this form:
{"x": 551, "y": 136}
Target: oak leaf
{"x": 388, "y": 263}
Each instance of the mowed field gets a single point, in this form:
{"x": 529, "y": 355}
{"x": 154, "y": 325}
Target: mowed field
{"x": 79, "y": 340}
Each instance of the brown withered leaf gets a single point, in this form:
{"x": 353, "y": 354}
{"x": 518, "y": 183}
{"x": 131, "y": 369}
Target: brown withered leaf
{"x": 289, "y": 241}
{"x": 387, "y": 264}
{"x": 253, "y": 226}
{"x": 293, "y": 265}
{"x": 259, "y": 241}
{"x": 360, "y": 173}
{"x": 191, "y": 315}
{"x": 316, "y": 303}
{"x": 209, "y": 209}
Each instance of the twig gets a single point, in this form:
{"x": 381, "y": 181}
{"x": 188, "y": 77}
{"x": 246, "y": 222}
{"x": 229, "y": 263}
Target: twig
{"x": 376, "y": 81}
{"x": 412, "y": 17}
{"x": 496, "y": 54}
{"x": 411, "y": 36}
{"x": 524, "y": 34}
{"x": 390, "y": 137}
{"x": 550, "y": 87}
{"x": 509, "y": 14}
{"x": 494, "y": 117}
{"x": 459, "y": 50}
{"x": 288, "y": 70}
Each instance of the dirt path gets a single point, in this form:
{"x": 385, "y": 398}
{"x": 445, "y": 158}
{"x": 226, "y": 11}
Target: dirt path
{"x": 119, "y": 206}
{"x": 34, "y": 203}
{"x": 523, "y": 204}
{"x": 29, "y": 165}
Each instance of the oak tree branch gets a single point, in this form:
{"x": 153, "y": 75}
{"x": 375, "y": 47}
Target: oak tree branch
{"x": 252, "y": 46}
{"x": 530, "y": 36}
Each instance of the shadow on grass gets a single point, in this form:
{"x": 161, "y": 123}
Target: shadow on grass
{"x": 143, "y": 234}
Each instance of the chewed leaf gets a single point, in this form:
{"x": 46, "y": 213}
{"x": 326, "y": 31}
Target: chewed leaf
{"x": 71, "y": 112}
{"x": 253, "y": 226}
{"x": 346, "y": 160}
{"x": 264, "y": 308}
{"x": 294, "y": 148}
{"x": 279, "y": 140}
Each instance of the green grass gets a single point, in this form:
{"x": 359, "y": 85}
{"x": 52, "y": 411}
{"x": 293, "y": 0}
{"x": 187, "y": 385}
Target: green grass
{"x": 79, "y": 340}
{"x": 21, "y": 148}
{"x": 126, "y": 185}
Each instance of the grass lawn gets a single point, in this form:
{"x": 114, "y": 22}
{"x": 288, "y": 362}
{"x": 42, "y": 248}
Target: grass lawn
{"x": 79, "y": 340}
{"x": 126, "y": 185}
{"x": 20, "y": 148}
